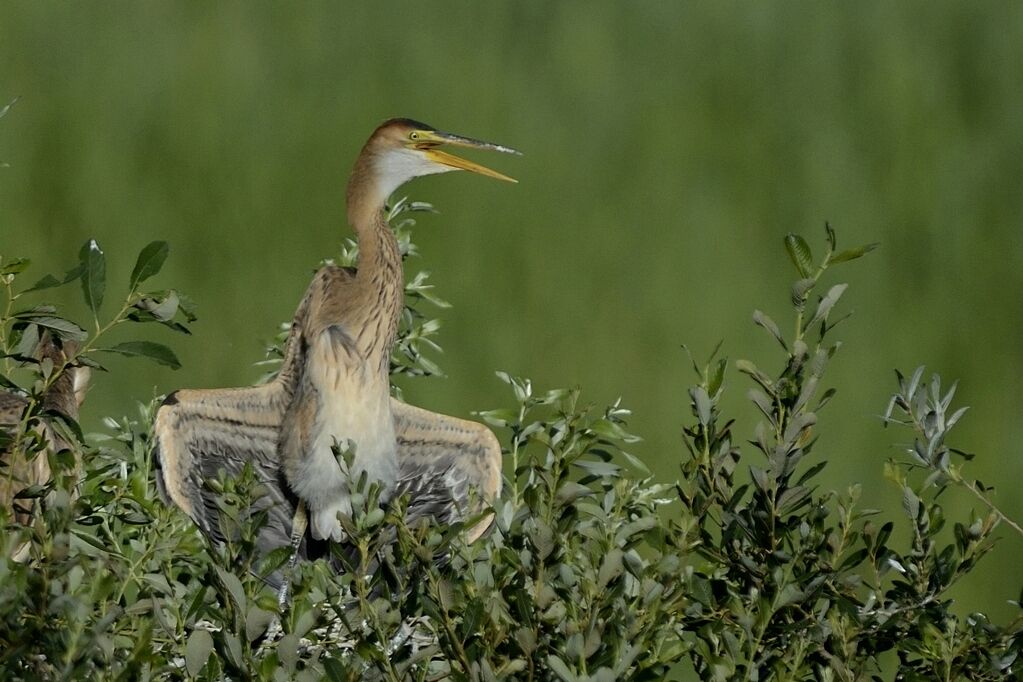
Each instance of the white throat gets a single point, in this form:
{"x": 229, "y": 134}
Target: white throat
{"x": 396, "y": 167}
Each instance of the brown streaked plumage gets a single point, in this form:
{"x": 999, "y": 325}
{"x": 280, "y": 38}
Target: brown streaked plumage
{"x": 334, "y": 388}
{"x": 23, "y": 466}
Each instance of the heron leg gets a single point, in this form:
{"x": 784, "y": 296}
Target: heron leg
{"x": 298, "y": 527}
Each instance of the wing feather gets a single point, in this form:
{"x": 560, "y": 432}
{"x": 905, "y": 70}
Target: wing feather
{"x": 201, "y": 435}
{"x": 444, "y": 462}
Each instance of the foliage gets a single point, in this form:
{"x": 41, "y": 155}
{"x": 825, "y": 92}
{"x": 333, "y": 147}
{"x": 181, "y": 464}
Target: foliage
{"x": 798, "y": 583}
{"x": 592, "y": 570}
{"x": 98, "y": 566}
{"x": 658, "y": 182}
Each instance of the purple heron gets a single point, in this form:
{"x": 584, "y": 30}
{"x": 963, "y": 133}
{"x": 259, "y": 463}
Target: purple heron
{"x": 333, "y": 387}
{"x": 26, "y": 464}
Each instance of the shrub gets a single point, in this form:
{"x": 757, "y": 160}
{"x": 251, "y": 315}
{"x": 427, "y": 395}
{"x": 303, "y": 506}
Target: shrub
{"x": 592, "y": 570}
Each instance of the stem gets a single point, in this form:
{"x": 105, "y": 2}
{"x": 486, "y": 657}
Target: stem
{"x": 515, "y": 459}
{"x": 987, "y": 502}
{"x": 957, "y": 478}
{"x": 752, "y": 661}
{"x": 3, "y": 323}
{"x": 802, "y": 304}
{"x": 452, "y": 636}
{"x": 103, "y": 329}
{"x": 362, "y": 591}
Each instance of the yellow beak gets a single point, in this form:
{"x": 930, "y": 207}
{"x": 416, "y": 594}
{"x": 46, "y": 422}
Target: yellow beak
{"x": 429, "y": 140}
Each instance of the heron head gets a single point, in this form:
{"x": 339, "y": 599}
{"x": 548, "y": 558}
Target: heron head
{"x": 402, "y": 149}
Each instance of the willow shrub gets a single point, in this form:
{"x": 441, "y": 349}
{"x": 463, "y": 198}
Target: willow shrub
{"x": 592, "y": 571}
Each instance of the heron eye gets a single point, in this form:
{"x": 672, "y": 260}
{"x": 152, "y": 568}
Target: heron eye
{"x": 413, "y": 135}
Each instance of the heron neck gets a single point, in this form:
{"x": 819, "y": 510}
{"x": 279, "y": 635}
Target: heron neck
{"x": 379, "y": 282}
{"x": 381, "y": 286}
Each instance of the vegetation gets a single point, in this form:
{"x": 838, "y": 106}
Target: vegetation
{"x": 592, "y": 571}
{"x": 668, "y": 147}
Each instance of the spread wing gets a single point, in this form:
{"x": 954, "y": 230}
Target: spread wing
{"x": 445, "y": 463}
{"x": 449, "y": 466}
{"x": 200, "y": 435}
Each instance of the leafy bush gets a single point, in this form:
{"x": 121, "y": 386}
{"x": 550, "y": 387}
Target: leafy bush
{"x": 592, "y": 571}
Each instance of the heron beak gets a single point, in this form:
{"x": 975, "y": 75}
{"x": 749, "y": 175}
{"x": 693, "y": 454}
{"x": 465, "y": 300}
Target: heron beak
{"x": 430, "y": 140}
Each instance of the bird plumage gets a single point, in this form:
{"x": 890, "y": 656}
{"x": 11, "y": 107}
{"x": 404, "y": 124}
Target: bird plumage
{"x": 203, "y": 434}
{"x": 333, "y": 388}
{"x": 24, "y": 466}
{"x": 342, "y": 389}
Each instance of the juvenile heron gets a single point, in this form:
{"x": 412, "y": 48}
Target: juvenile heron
{"x": 333, "y": 387}
{"x": 23, "y": 465}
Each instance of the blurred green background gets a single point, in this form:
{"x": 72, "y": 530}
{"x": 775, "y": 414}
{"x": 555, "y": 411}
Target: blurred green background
{"x": 668, "y": 149}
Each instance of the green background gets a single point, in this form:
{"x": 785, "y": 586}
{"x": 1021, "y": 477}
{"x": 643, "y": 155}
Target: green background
{"x": 668, "y": 149}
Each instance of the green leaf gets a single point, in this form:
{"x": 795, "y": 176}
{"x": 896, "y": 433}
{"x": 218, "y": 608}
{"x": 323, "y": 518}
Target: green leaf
{"x": 635, "y": 462}
{"x": 700, "y": 590}
{"x": 275, "y": 560}
{"x": 560, "y": 669}
{"x": 526, "y": 639}
{"x": 94, "y": 274}
{"x": 633, "y": 528}
{"x": 89, "y": 362}
{"x": 162, "y": 307}
{"x": 161, "y": 310}
{"x": 569, "y": 492}
{"x": 789, "y": 594}
{"x": 609, "y": 429}
{"x": 334, "y": 670}
{"x": 792, "y": 499}
{"x": 701, "y": 404}
{"x": 149, "y": 262}
{"x": 598, "y": 469}
{"x": 761, "y": 479}
{"x": 762, "y": 320}
{"x": 31, "y": 492}
{"x": 28, "y": 342}
{"x": 233, "y": 586}
{"x": 910, "y": 503}
{"x": 827, "y": 303}
{"x": 754, "y": 372}
{"x": 197, "y": 651}
{"x": 499, "y": 418}
{"x": 854, "y": 559}
{"x": 49, "y": 281}
{"x": 15, "y": 266}
{"x": 800, "y": 254}
{"x": 914, "y": 383}
{"x": 717, "y": 377}
{"x": 800, "y": 290}
{"x": 64, "y": 328}
{"x": 156, "y": 352}
{"x": 853, "y": 254}
{"x": 257, "y": 620}
{"x": 811, "y": 472}
{"x": 233, "y": 649}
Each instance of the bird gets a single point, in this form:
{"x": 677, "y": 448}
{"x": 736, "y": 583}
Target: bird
{"x": 333, "y": 391}
{"x": 25, "y": 463}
